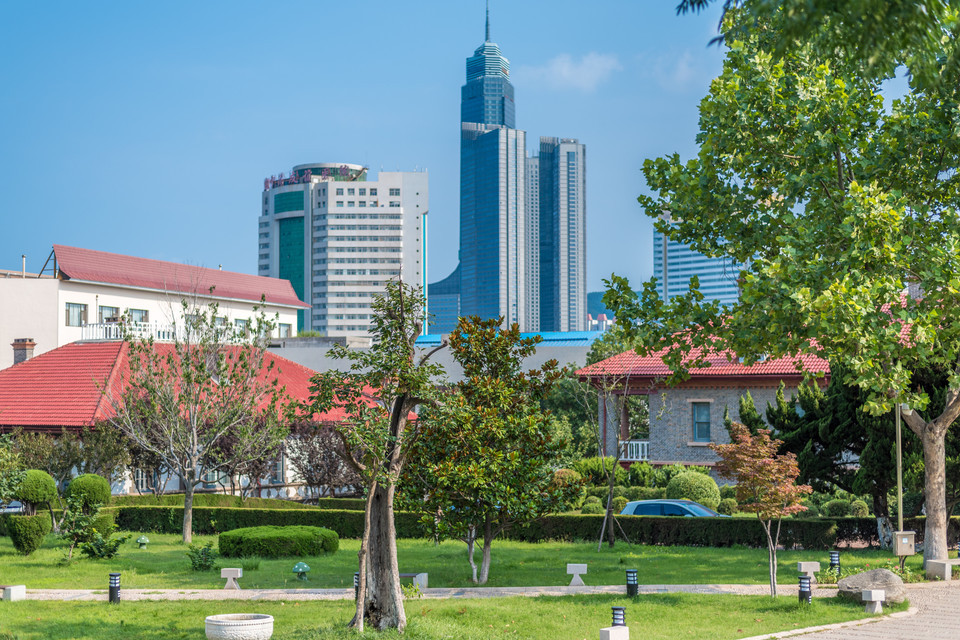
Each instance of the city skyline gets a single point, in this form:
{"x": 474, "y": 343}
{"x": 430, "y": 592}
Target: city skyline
{"x": 156, "y": 132}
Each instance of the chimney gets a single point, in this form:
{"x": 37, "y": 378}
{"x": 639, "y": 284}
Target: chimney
{"x": 22, "y": 349}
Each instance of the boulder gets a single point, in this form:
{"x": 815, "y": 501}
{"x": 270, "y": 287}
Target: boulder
{"x": 852, "y": 587}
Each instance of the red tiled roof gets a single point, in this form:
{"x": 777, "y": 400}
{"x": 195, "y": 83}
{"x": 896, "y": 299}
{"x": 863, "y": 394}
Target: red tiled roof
{"x": 629, "y": 363}
{"x": 113, "y": 268}
{"x": 64, "y": 387}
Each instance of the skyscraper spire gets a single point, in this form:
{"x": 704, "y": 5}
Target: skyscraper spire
{"x": 487, "y": 39}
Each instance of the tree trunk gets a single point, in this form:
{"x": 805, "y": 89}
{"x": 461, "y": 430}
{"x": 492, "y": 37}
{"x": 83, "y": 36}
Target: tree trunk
{"x": 187, "y": 510}
{"x": 487, "y": 545}
{"x": 611, "y": 534}
{"x": 383, "y": 603}
{"x": 934, "y": 462}
{"x": 357, "y": 621}
{"x": 885, "y": 532}
{"x": 771, "y": 557}
{"x": 471, "y": 543}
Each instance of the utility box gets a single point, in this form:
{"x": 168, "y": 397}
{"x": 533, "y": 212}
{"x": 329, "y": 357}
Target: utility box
{"x": 903, "y": 543}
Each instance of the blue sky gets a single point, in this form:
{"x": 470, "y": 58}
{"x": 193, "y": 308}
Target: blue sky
{"x": 148, "y": 128}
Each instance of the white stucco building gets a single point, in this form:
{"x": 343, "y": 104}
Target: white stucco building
{"x": 80, "y": 294}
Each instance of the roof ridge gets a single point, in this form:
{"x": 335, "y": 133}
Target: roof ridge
{"x": 108, "y": 384}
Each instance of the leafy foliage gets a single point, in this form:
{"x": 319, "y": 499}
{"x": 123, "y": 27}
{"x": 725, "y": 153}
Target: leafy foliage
{"x": 27, "y": 532}
{"x": 87, "y": 490}
{"x": 727, "y": 507}
{"x": 316, "y": 453}
{"x": 278, "y": 542}
{"x": 202, "y": 557}
{"x": 11, "y": 469}
{"x": 698, "y": 487}
{"x": 36, "y": 488}
{"x": 100, "y": 547}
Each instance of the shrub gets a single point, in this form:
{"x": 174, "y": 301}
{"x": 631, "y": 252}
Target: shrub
{"x": 102, "y": 547}
{"x": 28, "y": 532}
{"x": 563, "y": 478}
{"x": 859, "y": 509}
{"x": 646, "y": 493}
{"x": 591, "y": 469}
{"x": 727, "y": 507}
{"x": 37, "y": 488}
{"x": 664, "y": 475}
{"x": 592, "y": 508}
{"x": 728, "y": 491}
{"x": 698, "y": 487}
{"x": 619, "y": 503}
{"x": 813, "y": 511}
{"x": 837, "y": 508}
{"x": 640, "y": 474}
{"x": 202, "y": 558}
{"x": 592, "y": 500}
{"x": 278, "y": 542}
{"x": 89, "y": 489}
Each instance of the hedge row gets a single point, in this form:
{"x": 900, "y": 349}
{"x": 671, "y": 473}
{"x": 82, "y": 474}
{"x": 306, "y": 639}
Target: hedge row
{"x": 817, "y": 533}
{"x": 209, "y": 500}
{"x": 278, "y": 542}
{"x": 351, "y": 504}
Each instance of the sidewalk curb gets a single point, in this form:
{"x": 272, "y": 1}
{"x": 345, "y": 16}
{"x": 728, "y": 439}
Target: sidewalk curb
{"x": 832, "y": 627}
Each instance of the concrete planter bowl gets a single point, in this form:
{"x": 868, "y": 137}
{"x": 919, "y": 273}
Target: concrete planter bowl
{"x": 239, "y": 626}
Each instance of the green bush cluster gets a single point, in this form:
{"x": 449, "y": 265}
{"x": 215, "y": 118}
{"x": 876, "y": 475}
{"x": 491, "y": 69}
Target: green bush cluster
{"x": 728, "y": 491}
{"x": 859, "y": 509}
{"x": 89, "y": 489}
{"x": 563, "y": 478}
{"x": 27, "y": 532}
{"x": 591, "y": 470}
{"x": 36, "y": 489}
{"x": 592, "y": 508}
{"x": 618, "y": 504}
{"x": 630, "y": 493}
{"x": 223, "y": 500}
{"x": 837, "y": 508}
{"x": 641, "y": 474}
{"x": 663, "y": 475}
{"x": 727, "y": 507}
{"x": 202, "y": 557}
{"x": 278, "y": 542}
{"x": 698, "y": 487}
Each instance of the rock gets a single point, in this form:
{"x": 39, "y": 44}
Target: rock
{"x": 852, "y": 587}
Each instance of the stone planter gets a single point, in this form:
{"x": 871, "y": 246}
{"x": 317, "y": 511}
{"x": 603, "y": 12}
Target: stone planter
{"x": 239, "y": 626}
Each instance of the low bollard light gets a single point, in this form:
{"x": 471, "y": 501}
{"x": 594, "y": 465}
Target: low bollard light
{"x": 114, "y": 588}
{"x": 632, "y": 587}
{"x": 806, "y": 592}
{"x": 835, "y": 562}
{"x": 619, "y": 616}
{"x": 142, "y": 541}
{"x": 301, "y": 569}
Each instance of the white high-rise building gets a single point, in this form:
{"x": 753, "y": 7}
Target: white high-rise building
{"x": 533, "y": 243}
{"x": 339, "y": 237}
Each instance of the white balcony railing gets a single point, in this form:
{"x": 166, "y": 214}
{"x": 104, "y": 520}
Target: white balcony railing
{"x": 161, "y": 332}
{"x": 635, "y": 450}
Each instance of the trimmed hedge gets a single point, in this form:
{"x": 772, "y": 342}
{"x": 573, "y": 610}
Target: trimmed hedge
{"x": 211, "y": 500}
{"x": 28, "y": 532}
{"x": 278, "y": 542}
{"x": 698, "y": 487}
{"x": 91, "y": 489}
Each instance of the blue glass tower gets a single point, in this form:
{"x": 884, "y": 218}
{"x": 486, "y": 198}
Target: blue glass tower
{"x": 674, "y": 263}
{"x": 493, "y": 234}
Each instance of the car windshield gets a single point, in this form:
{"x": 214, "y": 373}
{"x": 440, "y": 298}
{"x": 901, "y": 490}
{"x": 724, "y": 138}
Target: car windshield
{"x": 700, "y": 510}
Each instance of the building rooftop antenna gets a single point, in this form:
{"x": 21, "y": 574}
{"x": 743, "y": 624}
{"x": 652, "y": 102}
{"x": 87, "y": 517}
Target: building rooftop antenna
{"x": 488, "y": 22}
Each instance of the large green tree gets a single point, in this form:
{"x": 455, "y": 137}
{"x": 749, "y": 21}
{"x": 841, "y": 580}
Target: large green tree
{"x": 377, "y": 395}
{"x": 837, "y": 205}
{"x": 485, "y": 461}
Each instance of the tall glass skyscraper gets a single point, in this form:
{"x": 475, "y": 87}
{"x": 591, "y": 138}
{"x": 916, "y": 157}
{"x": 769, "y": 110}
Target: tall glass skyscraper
{"x": 674, "y": 263}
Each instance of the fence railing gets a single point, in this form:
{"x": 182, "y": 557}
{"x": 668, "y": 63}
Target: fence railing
{"x": 161, "y": 332}
{"x": 635, "y": 450}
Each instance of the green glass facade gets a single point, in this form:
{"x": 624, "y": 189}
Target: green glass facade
{"x": 290, "y": 247}
{"x": 290, "y": 201}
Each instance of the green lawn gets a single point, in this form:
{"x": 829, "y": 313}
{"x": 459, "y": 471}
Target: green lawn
{"x": 565, "y": 618}
{"x": 163, "y": 565}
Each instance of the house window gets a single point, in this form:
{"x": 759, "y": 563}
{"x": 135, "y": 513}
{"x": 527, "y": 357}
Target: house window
{"x": 276, "y": 475}
{"x": 284, "y": 330}
{"x": 143, "y": 479}
{"x": 139, "y": 315}
{"x": 394, "y": 192}
{"x": 339, "y": 192}
{"x": 373, "y": 192}
{"x": 76, "y": 314}
{"x": 351, "y": 192}
{"x": 362, "y": 192}
{"x": 108, "y": 314}
{"x": 242, "y": 327}
{"x": 214, "y": 479}
{"x": 701, "y": 421}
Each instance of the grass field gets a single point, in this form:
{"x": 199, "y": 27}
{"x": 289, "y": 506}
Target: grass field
{"x": 661, "y": 616}
{"x": 164, "y": 565}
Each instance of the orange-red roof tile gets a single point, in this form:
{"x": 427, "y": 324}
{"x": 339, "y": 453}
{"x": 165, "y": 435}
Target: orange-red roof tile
{"x": 117, "y": 269}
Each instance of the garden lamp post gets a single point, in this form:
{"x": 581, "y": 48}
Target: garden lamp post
{"x": 903, "y": 541}
{"x": 301, "y": 569}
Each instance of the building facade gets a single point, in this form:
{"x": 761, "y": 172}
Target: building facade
{"x": 82, "y": 294}
{"x": 562, "y": 233}
{"x": 338, "y": 237}
{"x": 674, "y": 263}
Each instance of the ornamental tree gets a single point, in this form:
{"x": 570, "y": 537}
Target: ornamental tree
{"x": 181, "y": 401}
{"x": 766, "y": 483}
{"x": 377, "y": 396}
{"x": 485, "y": 461}
{"x": 845, "y": 213}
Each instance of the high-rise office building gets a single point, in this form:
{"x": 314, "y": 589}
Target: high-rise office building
{"x": 338, "y": 237}
{"x": 533, "y": 243}
{"x": 562, "y": 235}
{"x": 674, "y": 263}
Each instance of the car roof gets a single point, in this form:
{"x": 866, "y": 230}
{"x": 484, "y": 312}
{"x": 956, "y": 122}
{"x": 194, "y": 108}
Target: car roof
{"x": 663, "y": 501}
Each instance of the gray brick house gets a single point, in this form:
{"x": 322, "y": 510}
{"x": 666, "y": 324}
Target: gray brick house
{"x": 686, "y": 418}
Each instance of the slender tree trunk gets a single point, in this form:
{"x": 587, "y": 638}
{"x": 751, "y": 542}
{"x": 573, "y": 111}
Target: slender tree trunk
{"x": 487, "y": 545}
{"x": 934, "y": 461}
{"x": 383, "y": 604}
{"x": 188, "y": 487}
{"x": 362, "y": 557}
{"x": 611, "y": 534}
{"x": 471, "y": 544}
{"x": 771, "y": 557}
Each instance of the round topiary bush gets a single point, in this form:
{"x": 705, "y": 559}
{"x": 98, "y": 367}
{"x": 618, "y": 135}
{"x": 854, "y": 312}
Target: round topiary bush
{"x": 592, "y": 500}
{"x": 591, "y": 508}
{"x": 691, "y": 485}
{"x": 812, "y": 510}
{"x": 37, "y": 488}
{"x": 27, "y": 532}
{"x": 91, "y": 489}
{"x": 728, "y": 491}
{"x": 859, "y": 509}
{"x": 566, "y": 479}
{"x": 837, "y": 509}
{"x": 727, "y": 507}
{"x": 278, "y": 542}
{"x": 619, "y": 503}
